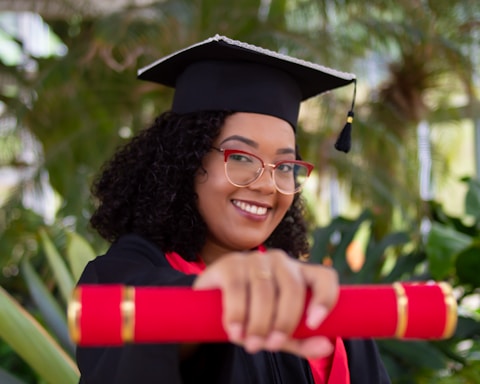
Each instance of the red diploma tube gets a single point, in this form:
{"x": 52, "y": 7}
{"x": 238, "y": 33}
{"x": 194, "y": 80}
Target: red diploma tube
{"x": 111, "y": 315}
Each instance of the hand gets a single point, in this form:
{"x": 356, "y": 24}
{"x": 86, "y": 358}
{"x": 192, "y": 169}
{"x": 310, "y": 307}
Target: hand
{"x": 263, "y": 296}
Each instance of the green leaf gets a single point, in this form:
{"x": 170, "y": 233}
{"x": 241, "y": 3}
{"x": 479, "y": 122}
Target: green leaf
{"x": 443, "y": 246}
{"x": 420, "y": 354}
{"x": 348, "y": 230}
{"x": 472, "y": 199}
{"x": 375, "y": 254}
{"x": 468, "y": 266}
{"x": 51, "y": 311}
{"x": 27, "y": 337}
{"x": 404, "y": 266}
{"x": 467, "y": 328}
{"x": 8, "y": 378}
{"x": 62, "y": 275}
{"x": 79, "y": 253}
{"x": 321, "y": 243}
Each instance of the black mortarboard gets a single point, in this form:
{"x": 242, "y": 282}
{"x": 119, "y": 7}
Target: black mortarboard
{"x": 224, "y": 74}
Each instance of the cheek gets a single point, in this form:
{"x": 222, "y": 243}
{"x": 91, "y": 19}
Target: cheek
{"x": 210, "y": 186}
{"x": 284, "y": 204}
{"x": 210, "y": 171}
{"x": 209, "y": 180}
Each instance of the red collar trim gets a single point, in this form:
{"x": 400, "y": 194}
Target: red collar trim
{"x": 332, "y": 369}
{"x": 192, "y": 267}
{"x": 180, "y": 264}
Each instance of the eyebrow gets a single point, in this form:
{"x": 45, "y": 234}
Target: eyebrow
{"x": 254, "y": 144}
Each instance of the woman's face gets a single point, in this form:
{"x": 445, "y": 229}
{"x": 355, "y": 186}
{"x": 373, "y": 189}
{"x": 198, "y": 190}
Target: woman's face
{"x": 242, "y": 218}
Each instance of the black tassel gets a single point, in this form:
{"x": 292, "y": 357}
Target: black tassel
{"x": 344, "y": 141}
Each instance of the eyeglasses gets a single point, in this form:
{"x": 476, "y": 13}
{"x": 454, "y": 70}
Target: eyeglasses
{"x": 243, "y": 169}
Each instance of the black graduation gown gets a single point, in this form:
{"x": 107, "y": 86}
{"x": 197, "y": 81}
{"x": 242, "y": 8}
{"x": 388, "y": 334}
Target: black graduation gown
{"x": 133, "y": 260}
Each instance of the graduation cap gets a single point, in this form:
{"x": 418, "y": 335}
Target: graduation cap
{"x": 224, "y": 74}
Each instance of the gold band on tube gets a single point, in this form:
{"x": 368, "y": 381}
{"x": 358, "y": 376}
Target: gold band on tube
{"x": 402, "y": 310}
{"x": 127, "y": 307}
{"x": 451, "y": 308}
{"x": 73, "y": 316}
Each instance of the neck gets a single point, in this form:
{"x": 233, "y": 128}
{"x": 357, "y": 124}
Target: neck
{"x": 212, "y": 252}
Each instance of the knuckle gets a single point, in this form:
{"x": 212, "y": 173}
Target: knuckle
{"x": 333, "y": 275}
{"x": 274, "y": 254}
{"x": 235, "y": 284}
{"x": 286, "y": 325}
{"x": 258, "y": 329}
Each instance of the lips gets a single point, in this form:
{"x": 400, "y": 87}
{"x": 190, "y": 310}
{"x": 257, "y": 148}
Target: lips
{"x": 250, "y": 208}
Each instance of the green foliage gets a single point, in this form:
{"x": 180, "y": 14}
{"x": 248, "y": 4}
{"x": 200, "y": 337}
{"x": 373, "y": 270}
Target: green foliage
{"x": 453, "y": 246}
{"x": 451, "y": 253}
{"x": 26, "y": 336}
{"x": 419, "y": 63}
{"x": 11, "y": 362}
{"x": 444, "y": 244}
{"x": 38, "y": 332}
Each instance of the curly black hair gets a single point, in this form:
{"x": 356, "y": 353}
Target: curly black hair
{"x": 147, "y": 188}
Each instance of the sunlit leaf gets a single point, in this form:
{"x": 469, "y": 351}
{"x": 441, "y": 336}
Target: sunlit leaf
{"x": 79, "y": 253}
{"x": 62, "y": 275}
{"x": 27, "y": 337}
{"x": 375, "y": 255}
{"x": 53, "y": 314}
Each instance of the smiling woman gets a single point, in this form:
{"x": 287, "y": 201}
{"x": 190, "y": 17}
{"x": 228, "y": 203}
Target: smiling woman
{"x": 240, "y": 218}
{"x": 208, "y": 196}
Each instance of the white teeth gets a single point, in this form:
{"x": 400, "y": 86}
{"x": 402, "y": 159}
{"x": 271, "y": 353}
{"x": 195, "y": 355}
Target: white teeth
{"x": 253, "y": 209}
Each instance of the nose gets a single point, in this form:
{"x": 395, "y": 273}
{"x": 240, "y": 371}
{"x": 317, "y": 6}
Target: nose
{"x": 265, "y": 183}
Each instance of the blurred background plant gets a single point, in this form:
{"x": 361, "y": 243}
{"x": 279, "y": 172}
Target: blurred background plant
{"x": 450, "y": 253}
{"x": 69, "y": 96}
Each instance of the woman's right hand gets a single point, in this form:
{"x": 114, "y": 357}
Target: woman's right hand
{"x": 263, "y": 296}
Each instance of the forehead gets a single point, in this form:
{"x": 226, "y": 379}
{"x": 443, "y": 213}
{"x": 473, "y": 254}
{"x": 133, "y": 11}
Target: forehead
{"x": 261, "y": 130}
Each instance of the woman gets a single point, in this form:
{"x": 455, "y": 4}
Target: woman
{"x": 208, "y": 196}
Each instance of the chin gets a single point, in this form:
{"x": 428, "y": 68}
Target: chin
{"x": 253, "y": 244}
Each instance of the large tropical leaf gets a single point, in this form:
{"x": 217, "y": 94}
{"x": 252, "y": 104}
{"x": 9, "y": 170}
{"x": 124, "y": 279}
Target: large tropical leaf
{"x": 30, "y": 340}
{"x": 443, "y": 245}
{"x": 63, "y": 277}
{"x": 468, "y": 266}
{"x": 52, "y": 314}
{"x": 79, "y": 253}
{"x": 416, "y": 355}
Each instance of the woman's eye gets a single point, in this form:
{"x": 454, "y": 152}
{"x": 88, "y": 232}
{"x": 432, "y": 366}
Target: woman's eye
{"x": 240, "y": 157}
{"x": 285, "y": 167}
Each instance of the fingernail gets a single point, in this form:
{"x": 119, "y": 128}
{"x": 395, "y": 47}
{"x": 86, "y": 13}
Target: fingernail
{"x": 234, "y": 331}
{"x": 315, "y": 316}
{"x": 275, "y": 340}
{"x": 253, "y": 343}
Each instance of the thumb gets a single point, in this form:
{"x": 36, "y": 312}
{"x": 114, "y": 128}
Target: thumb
{"x": 324, "y": 287}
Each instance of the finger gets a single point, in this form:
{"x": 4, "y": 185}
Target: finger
{"x": 323, "y": 282}
{"x": 262, "y": 292}
{"x": 231, "y": 277}
{"x": 235, "y": 307}
{"x": 290, "y": 302}
{"x": 313, "y": 347}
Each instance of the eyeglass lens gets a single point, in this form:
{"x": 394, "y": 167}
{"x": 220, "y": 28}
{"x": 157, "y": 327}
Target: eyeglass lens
{"x": 243, "y": 169}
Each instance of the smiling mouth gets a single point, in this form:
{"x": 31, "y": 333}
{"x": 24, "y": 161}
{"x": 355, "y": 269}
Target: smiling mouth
{"x": 250, "y": 208}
